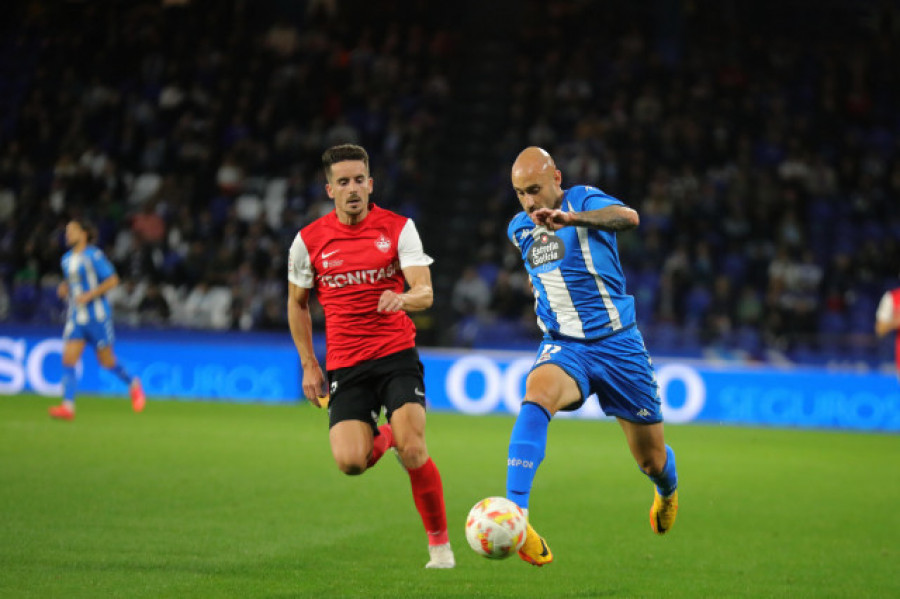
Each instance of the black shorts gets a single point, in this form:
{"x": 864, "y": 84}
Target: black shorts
{"x": 359, "y": 392}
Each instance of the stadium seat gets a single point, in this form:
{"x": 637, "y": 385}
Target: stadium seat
{"x": 833, "y": 323}
{"x": 696, "y": 303}
{"x": 50, "y": 308}
{"x": 802, "y": 353}
{"x": 23, "y": 301}
{"x": 734, "y": 266}
{"x": 749, "y": 340}
{"x": 689, "y": 343}
{"x": 663, "y": 338}
{"x": 862, "y": 315}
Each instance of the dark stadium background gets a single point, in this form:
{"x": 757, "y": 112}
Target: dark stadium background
{"x": 759, "y": 142}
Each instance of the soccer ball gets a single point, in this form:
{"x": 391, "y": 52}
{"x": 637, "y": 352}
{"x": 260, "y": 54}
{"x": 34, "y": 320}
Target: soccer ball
{"x": 495, "y": 527}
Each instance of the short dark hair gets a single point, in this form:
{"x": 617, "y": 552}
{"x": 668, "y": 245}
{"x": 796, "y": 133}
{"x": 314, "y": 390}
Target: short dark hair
{"x": 86, "y": 226}
{"x": 342, "y": 153}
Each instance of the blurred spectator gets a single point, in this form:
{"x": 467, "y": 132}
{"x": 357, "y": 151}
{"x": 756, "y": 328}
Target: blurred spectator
{"x": 4, "y": 301}
{"x": 282, "y": 39}
{"x": 154, "y": 309}
{"x": 509, "y": 300}
{"x": 148, "y": 226}
{"x": 471, "y": 295}
{"x": 273, "y": 316}
{"x": 718, "y": 320}
{"x": 749, "y": 308}
{"x": 125, "y": 300}
{"x": 207, "y": 307}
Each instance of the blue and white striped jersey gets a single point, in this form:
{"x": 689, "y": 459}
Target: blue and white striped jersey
{"x": 85, "y": 271}
{"x": 579, "y": 287}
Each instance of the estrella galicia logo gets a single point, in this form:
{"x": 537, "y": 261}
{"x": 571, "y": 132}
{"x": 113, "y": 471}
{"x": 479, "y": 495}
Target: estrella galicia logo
{"x": 546, "y": 253}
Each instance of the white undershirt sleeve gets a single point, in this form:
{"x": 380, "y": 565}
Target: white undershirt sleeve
{"x": 409, "y": 247}
{"x": 885, "y": 311}
{"x": 300, "y": 271}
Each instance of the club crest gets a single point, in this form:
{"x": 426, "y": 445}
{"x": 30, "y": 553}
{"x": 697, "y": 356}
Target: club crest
{"x": 383, "y": 244}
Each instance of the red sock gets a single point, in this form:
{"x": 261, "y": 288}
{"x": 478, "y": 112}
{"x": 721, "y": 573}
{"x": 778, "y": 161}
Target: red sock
{"x": 381, "y": 444}
{"x": 428, "y": 493}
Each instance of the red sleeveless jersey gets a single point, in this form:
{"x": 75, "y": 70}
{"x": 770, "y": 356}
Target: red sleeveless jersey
{"x": 350, "y": 266}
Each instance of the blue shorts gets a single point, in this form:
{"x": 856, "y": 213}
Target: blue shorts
{"x": 617, "y": 368}
{"x": 100, "y": 334}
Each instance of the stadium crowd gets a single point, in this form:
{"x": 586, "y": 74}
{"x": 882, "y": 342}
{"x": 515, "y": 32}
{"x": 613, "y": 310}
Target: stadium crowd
{"x": 761, "y": 146}
{"x": 764, "y": 159}
{"x": 196, "y": 150}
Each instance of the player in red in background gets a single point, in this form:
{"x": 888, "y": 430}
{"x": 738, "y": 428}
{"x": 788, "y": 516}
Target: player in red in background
{"x": 359, "y": 258}
{"x": 887, "y": 319}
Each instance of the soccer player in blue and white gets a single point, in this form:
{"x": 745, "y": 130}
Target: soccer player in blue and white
{"x": 591, "y": 343}
{"x": 88, "y": 277}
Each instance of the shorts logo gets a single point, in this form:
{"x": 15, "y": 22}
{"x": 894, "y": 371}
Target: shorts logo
{"x": 418, "y": 392}
{"x": 334, "y": 385}
{"x": 547, "y": 353}
{"x": 643, "y": 413}
{"x": 383, "y": 244}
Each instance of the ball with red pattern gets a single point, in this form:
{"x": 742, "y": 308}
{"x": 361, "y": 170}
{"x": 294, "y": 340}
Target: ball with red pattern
{"x": 495, "y": 528}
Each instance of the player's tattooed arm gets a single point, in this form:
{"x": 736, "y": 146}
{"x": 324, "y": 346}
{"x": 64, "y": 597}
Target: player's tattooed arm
{"x": 611, "y": 218}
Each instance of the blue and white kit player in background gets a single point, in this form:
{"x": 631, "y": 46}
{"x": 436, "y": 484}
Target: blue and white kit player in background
{"x": 591, "y": 344}
{"x": 87, "y": 277}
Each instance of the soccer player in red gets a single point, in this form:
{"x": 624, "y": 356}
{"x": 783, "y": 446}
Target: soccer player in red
{"x": 360, "y": 258}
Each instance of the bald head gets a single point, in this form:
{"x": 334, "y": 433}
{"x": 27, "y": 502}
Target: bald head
{"x": 536, "y": 180}
{"x": 533, "y": 160}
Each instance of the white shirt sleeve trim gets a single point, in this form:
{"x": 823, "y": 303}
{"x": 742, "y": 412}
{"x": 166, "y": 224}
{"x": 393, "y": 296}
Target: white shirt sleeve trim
{"x": 409, "y": 247}
{"x": 300, "y": 271}
{"x": 885, "y": 311}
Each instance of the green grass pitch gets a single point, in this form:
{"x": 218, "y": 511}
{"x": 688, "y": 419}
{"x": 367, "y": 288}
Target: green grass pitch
{"x": 224, "y": 500}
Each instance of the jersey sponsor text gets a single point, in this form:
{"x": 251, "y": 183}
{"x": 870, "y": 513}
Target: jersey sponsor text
{"x": 360, "y": 277}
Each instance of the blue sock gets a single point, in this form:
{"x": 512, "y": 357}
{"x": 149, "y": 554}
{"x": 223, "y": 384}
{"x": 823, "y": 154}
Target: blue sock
{"x": 68, "y": 383}
{"x": 526, "y": 451}
{"x": 120, "y": 372}
{"x": 667, "y": 481}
